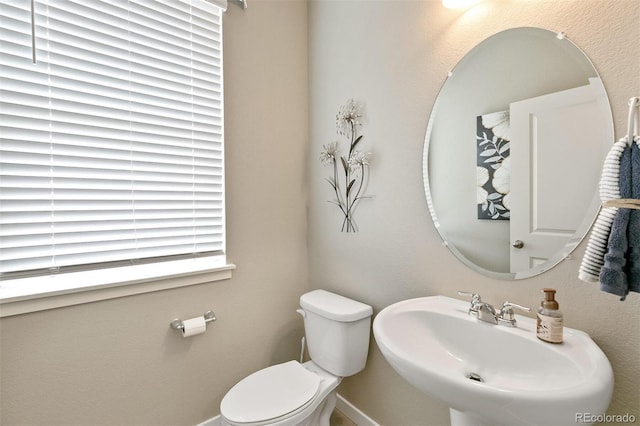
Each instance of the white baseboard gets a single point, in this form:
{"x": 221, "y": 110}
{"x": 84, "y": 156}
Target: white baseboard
{"x": 347, "y": 408}
{"x": 351, "y": 411}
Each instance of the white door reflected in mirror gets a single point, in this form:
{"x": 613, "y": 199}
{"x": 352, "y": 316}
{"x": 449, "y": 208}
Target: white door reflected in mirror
{"x": 548, "y": 196}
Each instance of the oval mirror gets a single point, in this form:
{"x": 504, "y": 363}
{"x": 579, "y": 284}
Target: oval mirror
{"x": 514, "y": 150}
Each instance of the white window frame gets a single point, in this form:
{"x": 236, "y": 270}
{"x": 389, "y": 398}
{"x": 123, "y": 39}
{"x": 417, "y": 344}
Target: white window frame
{"x": 24, "y": 295}
{"x": 35, "y": 293}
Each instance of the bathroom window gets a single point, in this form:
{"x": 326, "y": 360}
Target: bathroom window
{"x": 111, "y": 149}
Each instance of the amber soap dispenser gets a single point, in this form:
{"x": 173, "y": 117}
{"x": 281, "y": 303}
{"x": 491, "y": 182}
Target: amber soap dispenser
{"x": 550, "y": 323}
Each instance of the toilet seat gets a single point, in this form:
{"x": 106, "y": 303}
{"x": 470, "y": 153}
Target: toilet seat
{"x": 273, "y": 393}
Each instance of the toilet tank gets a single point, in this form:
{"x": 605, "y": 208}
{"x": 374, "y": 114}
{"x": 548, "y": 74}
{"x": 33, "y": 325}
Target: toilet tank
{"x": 337, "y": 331}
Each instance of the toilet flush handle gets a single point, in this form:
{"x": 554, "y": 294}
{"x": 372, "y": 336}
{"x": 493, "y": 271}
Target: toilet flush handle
{"x": 302, "y": 312}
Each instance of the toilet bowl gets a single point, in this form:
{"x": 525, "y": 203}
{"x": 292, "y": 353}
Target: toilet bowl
{"x": 337, "y": 332}
{"x": 288, "y": 394}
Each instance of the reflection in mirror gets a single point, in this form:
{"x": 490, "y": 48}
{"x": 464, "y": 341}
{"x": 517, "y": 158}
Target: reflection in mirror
{"x": 513, "y": 152}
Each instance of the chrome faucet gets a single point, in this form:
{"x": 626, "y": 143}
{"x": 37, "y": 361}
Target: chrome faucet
{"x": 487, "y": 313}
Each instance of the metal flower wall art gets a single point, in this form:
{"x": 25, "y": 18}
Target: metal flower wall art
{"x": 350, "y": 171}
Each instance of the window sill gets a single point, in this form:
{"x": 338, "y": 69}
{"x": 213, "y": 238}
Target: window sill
{"x": 34, "y": 294}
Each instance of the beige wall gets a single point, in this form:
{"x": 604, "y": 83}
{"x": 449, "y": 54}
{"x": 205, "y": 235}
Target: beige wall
{"x": 393, "y": 56}
{"x": 117, "y": 362}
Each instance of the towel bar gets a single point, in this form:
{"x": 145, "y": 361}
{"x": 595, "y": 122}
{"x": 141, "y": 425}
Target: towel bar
{"x": 632, "y": 123}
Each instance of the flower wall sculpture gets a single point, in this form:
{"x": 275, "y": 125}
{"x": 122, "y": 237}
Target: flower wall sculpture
{"x": 351, "y": 171}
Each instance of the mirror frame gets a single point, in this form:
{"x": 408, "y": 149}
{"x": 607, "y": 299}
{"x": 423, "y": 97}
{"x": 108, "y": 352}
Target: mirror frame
{"x": 589, "y": 217}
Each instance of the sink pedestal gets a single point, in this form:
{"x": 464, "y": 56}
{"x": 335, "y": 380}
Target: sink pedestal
{"x": 459, "y": 418}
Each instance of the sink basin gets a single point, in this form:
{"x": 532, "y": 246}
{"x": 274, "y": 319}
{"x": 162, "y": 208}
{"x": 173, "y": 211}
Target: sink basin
{"x": 491, "y": 374}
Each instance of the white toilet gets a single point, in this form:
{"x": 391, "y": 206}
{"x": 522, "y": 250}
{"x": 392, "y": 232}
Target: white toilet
{"x": 292, "y": 394}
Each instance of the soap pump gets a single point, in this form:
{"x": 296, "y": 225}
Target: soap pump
{"x": 550, "y": 322}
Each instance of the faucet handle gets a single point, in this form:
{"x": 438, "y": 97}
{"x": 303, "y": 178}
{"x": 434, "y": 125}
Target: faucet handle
{"x": 506, "y": 315}
{"x": 508, "y": 305}
{"x": 476, "y": 301}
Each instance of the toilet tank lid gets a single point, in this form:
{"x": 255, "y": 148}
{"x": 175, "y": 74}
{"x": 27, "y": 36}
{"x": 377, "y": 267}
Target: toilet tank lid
{"x": 335, "y": 307}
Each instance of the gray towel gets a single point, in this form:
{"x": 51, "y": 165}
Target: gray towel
{"x": 633, "y": 232}
{"x": 613, "y": 276}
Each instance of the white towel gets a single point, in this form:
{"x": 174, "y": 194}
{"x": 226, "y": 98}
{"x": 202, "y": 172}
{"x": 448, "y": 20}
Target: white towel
{"x": 593, "y": 259}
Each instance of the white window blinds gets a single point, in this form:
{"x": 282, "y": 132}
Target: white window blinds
{"x": 112, "y": 141}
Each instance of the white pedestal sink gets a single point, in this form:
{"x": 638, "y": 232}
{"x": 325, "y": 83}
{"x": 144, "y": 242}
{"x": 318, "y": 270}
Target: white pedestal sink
{"x": 491, "y": 374}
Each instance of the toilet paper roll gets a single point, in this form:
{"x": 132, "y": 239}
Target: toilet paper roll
{"x": 193, "y": 326}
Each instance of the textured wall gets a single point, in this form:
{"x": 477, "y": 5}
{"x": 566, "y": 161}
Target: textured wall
{"x": 393, "y": 56}
{"x": 117, "y": 362}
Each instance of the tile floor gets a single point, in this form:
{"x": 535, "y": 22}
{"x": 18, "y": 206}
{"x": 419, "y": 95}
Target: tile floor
{"x": 339, "y": 419}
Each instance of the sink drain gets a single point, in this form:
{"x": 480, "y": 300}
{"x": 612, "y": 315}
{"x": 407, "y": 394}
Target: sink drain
{"x": 475, "y": 377}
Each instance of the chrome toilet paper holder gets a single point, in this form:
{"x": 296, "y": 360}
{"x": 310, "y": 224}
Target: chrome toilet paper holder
{"x": 177, "y": 324}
